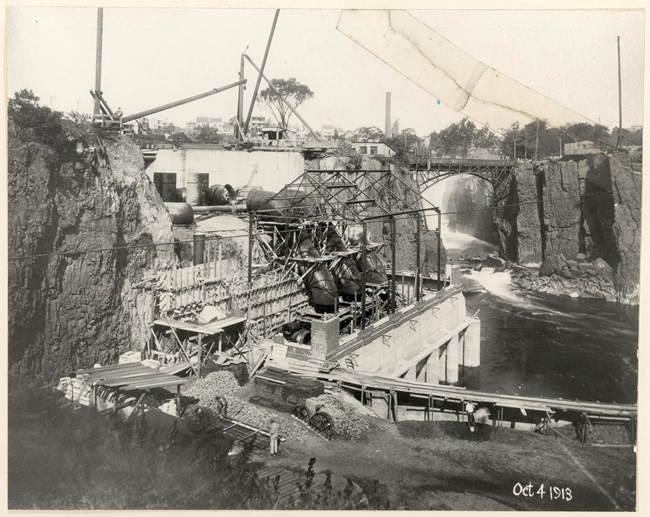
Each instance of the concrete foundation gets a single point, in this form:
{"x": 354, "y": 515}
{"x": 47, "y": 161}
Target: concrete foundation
{"x": 421, "y": 342}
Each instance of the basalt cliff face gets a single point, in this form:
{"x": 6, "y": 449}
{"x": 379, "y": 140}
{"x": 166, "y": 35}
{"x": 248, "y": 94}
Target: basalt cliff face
{"x": 69, "y": 308}
{"x": 579, "y": 221}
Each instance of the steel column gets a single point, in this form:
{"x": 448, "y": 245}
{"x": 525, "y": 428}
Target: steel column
{"x": 418, "y": 258}
{"x": 364, "y": 254}
{"x": 438, "y": 231}
{"x": 393, "y": 239}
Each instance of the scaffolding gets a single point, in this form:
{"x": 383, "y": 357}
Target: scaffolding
{"x": 321, "y": 220}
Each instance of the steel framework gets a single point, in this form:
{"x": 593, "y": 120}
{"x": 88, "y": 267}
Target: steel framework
{"x": 321, "y": 200}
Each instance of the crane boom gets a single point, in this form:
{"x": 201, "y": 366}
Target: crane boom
{"x": 164, "y": 107}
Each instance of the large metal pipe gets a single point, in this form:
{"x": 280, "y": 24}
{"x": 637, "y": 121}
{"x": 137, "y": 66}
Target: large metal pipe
{"x": 164, "y": 107}
{"x": 260, "y": 200}
{"x": 259, "y": 76}
{"x": 319, "y": 281}
{"x": 180, "y": 213}
{"x": 219, "y": 195}
{"x": 346, "y": 273}
{"x": 222, "y": 209}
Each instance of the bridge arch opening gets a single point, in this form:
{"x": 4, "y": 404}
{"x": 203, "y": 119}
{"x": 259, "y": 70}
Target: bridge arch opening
{"x": 467, "y": 203}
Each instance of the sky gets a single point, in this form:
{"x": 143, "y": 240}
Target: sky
{"x": 154, "y": 56}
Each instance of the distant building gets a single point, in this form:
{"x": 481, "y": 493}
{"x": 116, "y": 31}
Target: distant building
{"x": 478, "y": 153}
{"x": 228, "y": 128}
{"x": 211, "y": 122}
{"x": 256, "y": 124}
{"x": 581, "y": 148}
{"x": 327, "y": 132}
{"x": 373, "y": 148}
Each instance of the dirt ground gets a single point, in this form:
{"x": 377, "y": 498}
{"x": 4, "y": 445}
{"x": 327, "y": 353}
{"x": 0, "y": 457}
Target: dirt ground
{"x": 433, "y": 465}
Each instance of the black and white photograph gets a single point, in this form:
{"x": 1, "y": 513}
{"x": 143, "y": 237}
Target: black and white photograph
{"x": 323, "y": 257}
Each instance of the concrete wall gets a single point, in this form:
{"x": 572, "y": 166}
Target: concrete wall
{"x": 269, "y": 169}
{"x": 425, "y": 346}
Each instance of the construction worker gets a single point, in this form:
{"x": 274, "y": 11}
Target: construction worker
{"x": 274, "y": 431}
{"x": 541, "y": 426}
{"x": 469, "y": 409}
{"x": 222, "y": 406}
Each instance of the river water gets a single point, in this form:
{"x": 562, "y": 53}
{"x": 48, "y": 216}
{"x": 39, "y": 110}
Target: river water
{"x": 546, "y": 345}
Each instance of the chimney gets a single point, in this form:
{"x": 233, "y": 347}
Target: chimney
{"x": 388, "y": 127}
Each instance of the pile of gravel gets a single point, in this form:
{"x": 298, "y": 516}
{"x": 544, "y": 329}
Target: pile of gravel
{"x": 216, "y": 383}
{"x": 349, "y": 423}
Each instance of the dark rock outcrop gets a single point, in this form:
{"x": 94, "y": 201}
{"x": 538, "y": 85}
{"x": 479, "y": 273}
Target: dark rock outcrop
{"x": 555, "y": 212}
{"x": 69, "y": 308}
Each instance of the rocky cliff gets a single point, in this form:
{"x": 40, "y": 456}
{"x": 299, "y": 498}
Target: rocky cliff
{"x": 567, "y": 215}
{"x": 70, "y": 308}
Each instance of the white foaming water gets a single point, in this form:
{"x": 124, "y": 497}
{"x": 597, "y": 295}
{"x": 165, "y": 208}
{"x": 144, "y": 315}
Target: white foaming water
{"x": 499, "y": 284}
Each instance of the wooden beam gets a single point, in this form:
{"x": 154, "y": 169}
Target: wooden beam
{"x": 180, "y": 345}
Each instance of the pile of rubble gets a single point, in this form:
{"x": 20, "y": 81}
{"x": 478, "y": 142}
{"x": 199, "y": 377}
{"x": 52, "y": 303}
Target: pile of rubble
{"x": 216, "y": 383}
{"x": 225, "y": 384}
{"x": 349, "y": 421}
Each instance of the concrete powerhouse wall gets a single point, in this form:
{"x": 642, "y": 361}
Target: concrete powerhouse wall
{"x": 269, "y": 169}
{"x": 440, "y": 331}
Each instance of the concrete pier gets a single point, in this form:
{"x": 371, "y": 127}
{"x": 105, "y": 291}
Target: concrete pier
{"x": 425, "y": 342}
{"x": 451, "y": 365}
{"x": 470, "y": 345}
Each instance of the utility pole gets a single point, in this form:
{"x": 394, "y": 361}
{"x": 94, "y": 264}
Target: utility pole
{"x": 620, "y": 97}
{"x": 98, "y": 57}
{"x": 536, "y": 139}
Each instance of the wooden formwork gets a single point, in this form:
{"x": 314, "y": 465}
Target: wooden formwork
{"x": 270, "y": 302}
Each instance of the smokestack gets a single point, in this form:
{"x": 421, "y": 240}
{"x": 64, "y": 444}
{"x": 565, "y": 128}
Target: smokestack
{"x": 388, "y": 127}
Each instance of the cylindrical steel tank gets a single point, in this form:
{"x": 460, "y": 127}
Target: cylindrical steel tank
{"x": 197, "y": 184}
{"x": 198, "y": 248}
{"x": 181, "y": 213}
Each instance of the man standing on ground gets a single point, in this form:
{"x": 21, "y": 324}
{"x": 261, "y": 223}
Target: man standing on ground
{"x": 274, "y": 431}
{"x": 469, "y": 409}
